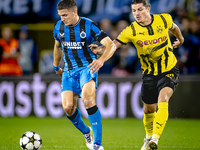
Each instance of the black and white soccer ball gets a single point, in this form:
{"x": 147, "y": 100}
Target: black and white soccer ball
{"x": 30, "y": 141}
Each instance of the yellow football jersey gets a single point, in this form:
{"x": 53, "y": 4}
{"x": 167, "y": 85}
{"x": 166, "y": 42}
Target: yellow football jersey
{"x": 153, "y": 44}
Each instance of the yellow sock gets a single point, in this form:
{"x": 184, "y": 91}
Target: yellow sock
{"x": 148, "y": 123}
{"x": 160, "y": 119}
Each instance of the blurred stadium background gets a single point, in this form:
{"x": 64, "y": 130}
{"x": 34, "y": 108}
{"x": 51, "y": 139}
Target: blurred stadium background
{"x": 36, "y": 94}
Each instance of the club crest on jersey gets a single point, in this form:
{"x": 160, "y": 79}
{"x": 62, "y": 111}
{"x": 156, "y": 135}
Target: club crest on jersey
{"x": 82, "y": 34}
{"x": 159, "y": 29}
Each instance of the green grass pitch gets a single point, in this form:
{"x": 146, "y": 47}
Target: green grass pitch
{"x": 118, "y": 134}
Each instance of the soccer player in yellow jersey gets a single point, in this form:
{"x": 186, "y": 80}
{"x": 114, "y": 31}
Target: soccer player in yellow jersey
{"x": 149, "y": 34}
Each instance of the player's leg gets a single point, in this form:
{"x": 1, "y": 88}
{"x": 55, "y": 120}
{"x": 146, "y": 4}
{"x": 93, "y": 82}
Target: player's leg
{"x": 88, "y": 97}
{"x": 161, "y": 115}
{"x": 149, "y": 115}
{"x": 70, "y": 94}
{"x": 149, "y": 98}
{"x": 69, "y": 103}
{"x": 166, "y": 86}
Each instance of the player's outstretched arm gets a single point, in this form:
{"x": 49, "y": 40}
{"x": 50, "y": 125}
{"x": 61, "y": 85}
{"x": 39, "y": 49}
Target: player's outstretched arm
{"x": 97, "y": 50}
{"x": 176, "y": 32}
{"x": 110, "y": 47}
{"x": 57, "y": 53}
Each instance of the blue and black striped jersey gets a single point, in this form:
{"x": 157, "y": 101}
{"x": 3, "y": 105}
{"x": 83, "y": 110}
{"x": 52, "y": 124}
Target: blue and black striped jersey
{"x": 75, "y": 41}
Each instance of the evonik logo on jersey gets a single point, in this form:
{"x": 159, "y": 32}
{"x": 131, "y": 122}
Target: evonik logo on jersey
{"x": 150, "y": 42}
{"x": 74, "y": 45}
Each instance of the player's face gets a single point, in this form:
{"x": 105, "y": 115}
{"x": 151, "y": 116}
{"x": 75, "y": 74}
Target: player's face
{"x": 140, "y": 12}
{"x": 68, "y": 16}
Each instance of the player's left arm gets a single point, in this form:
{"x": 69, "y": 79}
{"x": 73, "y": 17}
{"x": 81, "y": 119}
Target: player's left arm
{"x": 110, "y": 48}
{"x": 176, "y": 32}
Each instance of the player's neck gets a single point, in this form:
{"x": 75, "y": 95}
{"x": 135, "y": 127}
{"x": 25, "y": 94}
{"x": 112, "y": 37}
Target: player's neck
{"x": 147, "y": 21}
{"x": 76, "y": 20}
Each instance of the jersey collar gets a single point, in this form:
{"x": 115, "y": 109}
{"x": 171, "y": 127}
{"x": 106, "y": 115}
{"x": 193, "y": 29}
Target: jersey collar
{"x": 76, "y": 23}
{"x": 148, "y": 24}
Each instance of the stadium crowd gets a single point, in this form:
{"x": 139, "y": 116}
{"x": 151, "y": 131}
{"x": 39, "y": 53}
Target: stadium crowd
{"x": 125, "y": 61}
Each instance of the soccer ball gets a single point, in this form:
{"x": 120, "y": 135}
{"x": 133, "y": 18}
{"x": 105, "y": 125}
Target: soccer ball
{"x": 30, "y": 141}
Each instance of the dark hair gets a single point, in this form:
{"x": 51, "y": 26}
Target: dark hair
{"x": 145, "y": 2}
{"x": 66, "y": 4}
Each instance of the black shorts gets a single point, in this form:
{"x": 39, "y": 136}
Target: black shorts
{"x": 152, "y": 85}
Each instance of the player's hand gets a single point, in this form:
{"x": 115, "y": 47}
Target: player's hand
{"x": 94, "y": 48}
{"x": 59, "y": 72}
{"x": 96, "y": 65}
{"x": 177, "y": 44}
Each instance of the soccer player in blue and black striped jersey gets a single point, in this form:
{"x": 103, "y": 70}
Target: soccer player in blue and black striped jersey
{"x": 73, "y": 35}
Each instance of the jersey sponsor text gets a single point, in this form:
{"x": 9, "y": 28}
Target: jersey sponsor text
{"x": 150, "y": 42}
{"x": 74, "y": 45}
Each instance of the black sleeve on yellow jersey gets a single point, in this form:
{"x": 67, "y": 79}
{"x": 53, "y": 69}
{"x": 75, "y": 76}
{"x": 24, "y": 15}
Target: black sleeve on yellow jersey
{"x": 164, "y": 21}
{"x": 125, "y": 35}
{"x": 121, "y": 42}
{"x": 167, "y": 20}
{"x": 170, "y": 18}
{"x": 172, "y": 26}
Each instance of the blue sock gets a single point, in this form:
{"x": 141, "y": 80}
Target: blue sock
{"x": 95, "y": 121}
{"x": 76, "y": 120}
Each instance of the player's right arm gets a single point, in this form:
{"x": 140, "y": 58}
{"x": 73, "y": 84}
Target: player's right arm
{"x": 101, "y": 49}
{"x": 107, "y": 50}
{"x": 176, "y": 31}
{"x": 57, "y": 56}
